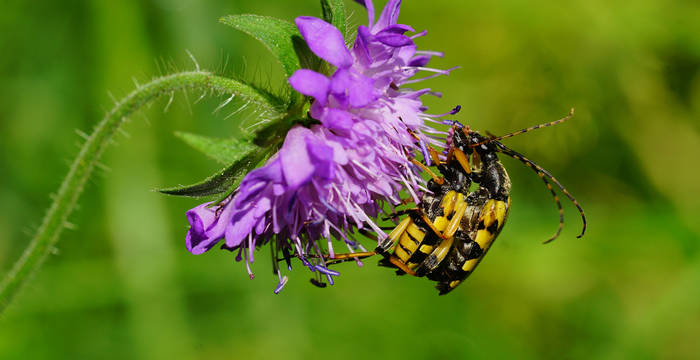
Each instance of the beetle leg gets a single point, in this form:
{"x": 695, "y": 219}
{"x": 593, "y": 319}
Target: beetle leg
{"x": 439, "y": 180}
{"x": 463, "y": 160}
{"x": 339, "y": 258}
{"x": 391, "y": 241}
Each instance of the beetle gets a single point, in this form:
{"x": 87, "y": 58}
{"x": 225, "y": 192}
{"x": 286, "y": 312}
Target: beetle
{"x": 451, "y": 229}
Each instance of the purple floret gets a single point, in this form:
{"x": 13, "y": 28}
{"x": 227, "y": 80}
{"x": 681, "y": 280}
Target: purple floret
{"x": 332, "y": 178}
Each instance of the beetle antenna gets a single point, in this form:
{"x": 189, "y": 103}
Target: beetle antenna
{"x": 544, "y": 175}
{"x": 497, "y": 138}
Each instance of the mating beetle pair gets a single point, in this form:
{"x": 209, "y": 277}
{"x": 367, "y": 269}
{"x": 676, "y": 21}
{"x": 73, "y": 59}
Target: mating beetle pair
{"x": 450, "y": 230}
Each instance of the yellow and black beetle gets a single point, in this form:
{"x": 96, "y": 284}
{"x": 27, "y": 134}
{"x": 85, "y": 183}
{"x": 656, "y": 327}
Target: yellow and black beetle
{"x": 448, "y": 233}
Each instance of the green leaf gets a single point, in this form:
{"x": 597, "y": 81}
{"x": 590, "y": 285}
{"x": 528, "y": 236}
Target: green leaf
{"x": 272, "y": 135}
{"x": 225, "y": 151}
{"x": 221, "y": 182}
{"x": 267, "y": 104}
{"x": 281, "y": 37}
{"x": 334, "y": 13}
{"x": 242, "y": 154}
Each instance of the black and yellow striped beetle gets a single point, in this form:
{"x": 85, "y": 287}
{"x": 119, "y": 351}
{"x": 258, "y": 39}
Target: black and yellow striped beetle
{"x": 449, "y": 232}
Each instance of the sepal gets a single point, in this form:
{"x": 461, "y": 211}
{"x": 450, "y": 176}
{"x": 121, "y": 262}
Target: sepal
{"x": 333, "y": 12}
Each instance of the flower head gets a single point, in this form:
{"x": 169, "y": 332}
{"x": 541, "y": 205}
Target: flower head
{"x": 332, "y": 177}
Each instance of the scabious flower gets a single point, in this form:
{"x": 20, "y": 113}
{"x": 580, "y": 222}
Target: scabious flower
{"x": 335, "y": 176}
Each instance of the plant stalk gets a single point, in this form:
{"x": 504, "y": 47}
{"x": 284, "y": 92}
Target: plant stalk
{"x": 72, "y": 186}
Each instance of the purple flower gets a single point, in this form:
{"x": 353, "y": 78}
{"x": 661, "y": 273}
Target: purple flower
{"x": 333, "y": 177}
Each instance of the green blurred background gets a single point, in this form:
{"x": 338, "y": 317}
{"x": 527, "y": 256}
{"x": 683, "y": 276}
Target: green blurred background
{"x": 120, "y": 284}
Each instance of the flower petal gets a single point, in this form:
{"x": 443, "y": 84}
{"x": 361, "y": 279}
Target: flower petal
{"x": 361, "y": 128}
{"x": 261, "y": 207}
{"x": 393, "y": 39}
{"x": 207, "y": 227}
{"x": 362, "y": 91}
{"x": 358, "y": 88}
{"x": 296, "y": 165}
{"x": 389, "y": 15}
{"x": 361, "y": 48}
{"x": 324, "y": 40}
{"x": 322, "y": 156}
{"x": 260, "y": 227}
{"x": 240, "y": 228}
{"x": 420, "y": 60}
{"x": 399, "y": 28}
{"x": 406, "y": 53}
{"x": 257, "y": 181}
{"x": 197, "y": 245}
{"x": 311, "y": 83}
{"x": 341, "y": 81}
{"x": 199, "y": 216}
{"x": 337, "y": 119}
{"x": 340, "y": 155}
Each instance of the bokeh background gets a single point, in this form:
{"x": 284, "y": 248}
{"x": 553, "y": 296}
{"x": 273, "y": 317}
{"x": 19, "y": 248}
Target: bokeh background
{"x": 120, "y": 284}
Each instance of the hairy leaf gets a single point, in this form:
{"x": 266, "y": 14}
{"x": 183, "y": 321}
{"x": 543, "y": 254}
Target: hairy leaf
{"x": 281, "y": 37}
{"x": 225, "y": 151}
{"x": 263, "y": 101}
{"x": 222, "y": 182}
{"x": 334, "y": 13}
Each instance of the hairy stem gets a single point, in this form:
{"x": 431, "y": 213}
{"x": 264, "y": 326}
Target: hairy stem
{"x": 64, "y": 202}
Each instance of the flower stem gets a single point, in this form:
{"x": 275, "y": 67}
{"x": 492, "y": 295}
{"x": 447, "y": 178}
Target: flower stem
{"x": 70, "y": 190}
